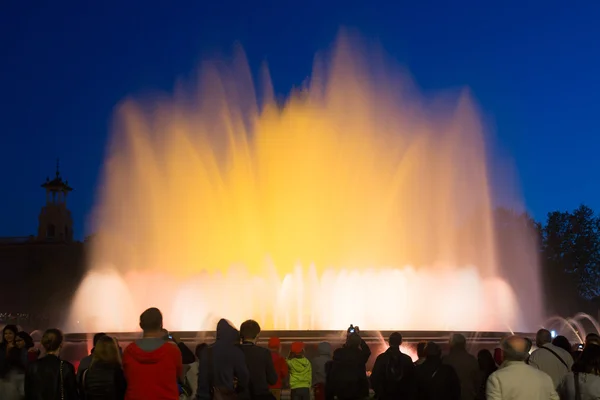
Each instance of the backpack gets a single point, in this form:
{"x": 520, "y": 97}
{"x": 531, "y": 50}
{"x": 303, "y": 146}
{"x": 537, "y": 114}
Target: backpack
{"x": 394, "y": 370}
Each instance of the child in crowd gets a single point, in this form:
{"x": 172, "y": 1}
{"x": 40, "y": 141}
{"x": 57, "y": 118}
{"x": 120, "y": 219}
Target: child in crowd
{"x": 280, "y": 365}
{"x": 300, "y": 372}
{"x": 319, "y": 369}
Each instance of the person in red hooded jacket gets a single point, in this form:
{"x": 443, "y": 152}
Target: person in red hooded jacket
{"x": 152, "y": 365}
{"x": 280, "y": 364}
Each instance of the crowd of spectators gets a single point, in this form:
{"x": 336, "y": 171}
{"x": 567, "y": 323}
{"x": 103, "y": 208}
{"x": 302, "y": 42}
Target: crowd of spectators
{"x": 160, "y": 366}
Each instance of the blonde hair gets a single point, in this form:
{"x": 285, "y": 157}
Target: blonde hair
{"x": 107, "y": 351}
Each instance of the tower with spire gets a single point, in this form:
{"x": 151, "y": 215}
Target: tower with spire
{"x": 55, "y": 222}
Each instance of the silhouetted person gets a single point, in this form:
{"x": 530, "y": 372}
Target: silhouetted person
{"x": 420, "y": 353}
{"x": 592, "y": 339}
{"x": 192, "y": 373}
{"x": 87, "y": 360}
{"x": 259, "y": 363}
{"x": 9, "y": 336}
{"x": 104, "y": 378}
{"x": 551, "y": 359}
{"x": 465, "y": 365}
{"x": 563, "y": 343}
{"x": 393, "y": 375}
{"x": 436, "y": 380}
{"x": 348, "y": 376}
{"x": 516, "y": 380}
{"x": 583, "y": 383}
{"x": 50, "y": 378}
{"x": 319, "y": 368}
{"x": 152, "y": 365}
{"x": 487, "y": 366}
{"x": 187, "y": 356}
{"x": 223, "y": 365}
{"x": 25, "y": 344}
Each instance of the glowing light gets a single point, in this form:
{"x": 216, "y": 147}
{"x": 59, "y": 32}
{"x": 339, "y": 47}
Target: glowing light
{"x": 352, "y": 202}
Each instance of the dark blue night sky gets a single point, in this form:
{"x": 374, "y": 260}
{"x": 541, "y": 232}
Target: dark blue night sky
{"x": 532, "y": 66}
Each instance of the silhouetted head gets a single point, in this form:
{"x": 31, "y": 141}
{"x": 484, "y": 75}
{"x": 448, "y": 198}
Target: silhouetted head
{"x": 562, "y": 342}
{"x": 353, "y": 340}
{"x": 97, "y": 337}
{"x": 52, "y": 341}
{"x": 249, "y": 330}
{"x": 106, "y": 351}
{"x": 592, "y": 338}
{"x": 199, "y": 349}
{"x": 588, "y": 361}
{"x": 458, "y": 342}
{"x": 226, "y": 332}
{"x": 543, "y": 337}
{"x": 432, "y": 351}
{"x": 486, "y": 361}
{"x": 395, "y": 340}
{"x": 421, "y": 349}
{"x": 24, "y": 340}
{"x": 516, "y": 348}
{"x": 151, "y": 321}
{"x": 324, "y": 349}
{"x": 9, "y": 334}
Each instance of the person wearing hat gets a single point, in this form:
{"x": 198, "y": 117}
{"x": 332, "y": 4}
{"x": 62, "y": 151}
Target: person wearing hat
{"x": 300, "y": 372}
{"x": 280, "y": 365}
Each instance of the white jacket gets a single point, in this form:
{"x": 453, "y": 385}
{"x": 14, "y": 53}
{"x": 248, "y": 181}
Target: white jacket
{"x": 516, "y": 380}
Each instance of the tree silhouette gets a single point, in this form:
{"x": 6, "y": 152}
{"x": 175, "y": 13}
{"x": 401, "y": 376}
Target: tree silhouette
{"x": 571, "y": 255}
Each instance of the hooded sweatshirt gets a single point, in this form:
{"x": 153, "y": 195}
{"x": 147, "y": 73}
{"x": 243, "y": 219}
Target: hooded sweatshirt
{"x": 228, "y": 362}
{"x": 318, "y": 363}
{"x": 300, "y": 372}
{"x": 152, "y": 367}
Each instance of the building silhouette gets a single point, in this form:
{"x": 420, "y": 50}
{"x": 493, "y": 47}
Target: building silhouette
{"x": 41, "y": 273}
{"x": 55, "y": 222}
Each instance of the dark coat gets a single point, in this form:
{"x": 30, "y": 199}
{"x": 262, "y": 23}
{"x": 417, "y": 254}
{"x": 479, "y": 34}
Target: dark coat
{"x": 436, "y": 381}
{"x": 467, "y": 368}
{"x": 103, "y": 381}
{"x": 228, "y": 362}
{"x": 347, "y": 378}
{"x": 384, "y": 388}
{"x": 262, "y": 371}
{"x": 43, "y": 379}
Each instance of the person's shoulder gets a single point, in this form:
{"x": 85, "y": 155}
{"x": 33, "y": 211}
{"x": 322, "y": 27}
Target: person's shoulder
{"x": 130, "y": 347}
{"x": 68, "y": 365}
{"x": 564, "y": 353}
{"x": 265, "y": 352}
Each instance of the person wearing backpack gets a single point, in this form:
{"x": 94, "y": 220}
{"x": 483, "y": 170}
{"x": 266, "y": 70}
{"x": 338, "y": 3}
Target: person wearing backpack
{"x": 393, "y": 375}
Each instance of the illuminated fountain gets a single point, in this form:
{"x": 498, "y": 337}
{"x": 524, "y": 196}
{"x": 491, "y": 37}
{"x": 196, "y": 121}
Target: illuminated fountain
{"x": 354, "y": 202}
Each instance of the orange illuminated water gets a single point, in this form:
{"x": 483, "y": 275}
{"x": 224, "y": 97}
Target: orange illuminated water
{"x": 355, "y": 201}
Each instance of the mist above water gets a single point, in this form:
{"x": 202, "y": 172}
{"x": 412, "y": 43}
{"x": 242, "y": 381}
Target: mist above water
{"x": 355, "y": 201}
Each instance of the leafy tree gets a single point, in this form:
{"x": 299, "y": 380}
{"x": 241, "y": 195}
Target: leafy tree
{"x": 571, "y": 252}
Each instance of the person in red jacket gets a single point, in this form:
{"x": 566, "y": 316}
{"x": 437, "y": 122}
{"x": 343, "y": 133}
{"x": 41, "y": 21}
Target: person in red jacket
{"x": 280, "y": 364}
{"x": 152, "y": 365}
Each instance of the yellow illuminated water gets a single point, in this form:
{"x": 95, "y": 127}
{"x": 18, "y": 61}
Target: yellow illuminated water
{"x": 355, "y": 201}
